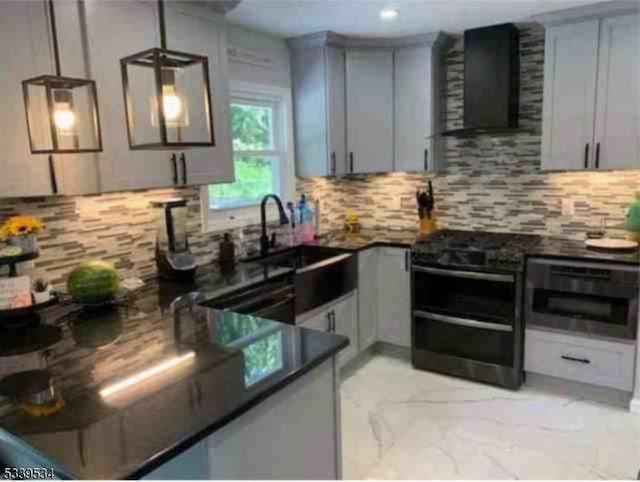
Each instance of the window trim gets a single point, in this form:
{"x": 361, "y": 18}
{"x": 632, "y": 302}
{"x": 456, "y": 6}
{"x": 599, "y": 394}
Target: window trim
{"x": 222, "y": 219}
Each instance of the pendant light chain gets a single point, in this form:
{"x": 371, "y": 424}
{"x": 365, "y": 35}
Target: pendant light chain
{"x": 54, "y": 35}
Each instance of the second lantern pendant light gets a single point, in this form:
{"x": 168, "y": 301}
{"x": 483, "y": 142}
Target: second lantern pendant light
{"x": 167, "y": 97}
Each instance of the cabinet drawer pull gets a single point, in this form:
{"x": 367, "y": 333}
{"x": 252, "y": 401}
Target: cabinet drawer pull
{"x": 174, "y": 165}
{"x": 184, "y": 168}
{"x": 351, "y": 162}
{"x": 598, "y": 155}
{"x": 333, "y": 162}
{"x": 574, "y": 359}
{"x": 52, "y": 175}
{"x": 586, "y": 155}
{"x": 426, "y": 159}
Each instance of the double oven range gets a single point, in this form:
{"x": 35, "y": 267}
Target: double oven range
{"x": 467, "y": 304}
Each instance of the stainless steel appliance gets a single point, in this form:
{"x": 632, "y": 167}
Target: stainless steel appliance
{"x": 466, "y": 301}
{"x": 173, "y": 256}
{"x": 583, "y": 296}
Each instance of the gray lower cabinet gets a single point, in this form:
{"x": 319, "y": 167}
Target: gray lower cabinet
{"x": 394, "y": 297}
{"x": 292, "y": 435}
{"x": 340, "y": 317}
{"x": 367, "y": 297}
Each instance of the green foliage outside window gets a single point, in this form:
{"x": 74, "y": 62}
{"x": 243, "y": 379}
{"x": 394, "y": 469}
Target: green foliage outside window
{"x": 251, "y": 130}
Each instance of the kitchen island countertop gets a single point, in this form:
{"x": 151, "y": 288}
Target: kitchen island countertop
{"x": 221, "y": 365}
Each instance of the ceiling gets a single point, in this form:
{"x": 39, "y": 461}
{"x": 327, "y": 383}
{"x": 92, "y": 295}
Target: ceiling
{"x": 286, "y": 18}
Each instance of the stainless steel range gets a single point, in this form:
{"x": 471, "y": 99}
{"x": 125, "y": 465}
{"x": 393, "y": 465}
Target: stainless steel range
{"x": 467, "y": 304}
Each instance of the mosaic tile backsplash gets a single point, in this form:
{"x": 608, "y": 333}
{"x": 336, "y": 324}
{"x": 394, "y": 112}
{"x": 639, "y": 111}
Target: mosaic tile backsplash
{"x": 490, "y": 183}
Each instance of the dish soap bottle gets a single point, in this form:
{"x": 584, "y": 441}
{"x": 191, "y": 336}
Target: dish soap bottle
{"x": 306, "y": 227}
{"x": 226, "y": 254}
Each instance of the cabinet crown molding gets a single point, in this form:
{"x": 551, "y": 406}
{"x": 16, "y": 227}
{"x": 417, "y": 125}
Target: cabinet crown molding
{"x": 332, "y": 39}
{"x": 612, "y": 8}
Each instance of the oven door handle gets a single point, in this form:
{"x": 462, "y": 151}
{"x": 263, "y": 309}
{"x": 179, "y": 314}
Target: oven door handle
{"x": 454, "y": 320}
{"x": 504, "y": 278}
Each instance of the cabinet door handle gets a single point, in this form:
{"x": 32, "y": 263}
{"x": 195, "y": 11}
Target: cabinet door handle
{"x": 52, "y": 175}
{"x": 426, "y": 159}
{"x": 333, "y": 162}
{"x": 174, "y": 165}
{"x": 333, "y": 321}
{"x": 328, "y": 322}
{"x": 184, "y": 168}
{"x": 199, "y": 394}
{"x": 406, "y": 260}
{"x": 598, "y": 155}
{"x": 573, "y": 359}
{"x": 351, "y": 162}
{"x": 586, "y": 155}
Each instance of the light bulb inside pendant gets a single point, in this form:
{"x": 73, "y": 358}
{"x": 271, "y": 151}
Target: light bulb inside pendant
{"x": 171, "y": 104}
{"x": 63, "y": 116}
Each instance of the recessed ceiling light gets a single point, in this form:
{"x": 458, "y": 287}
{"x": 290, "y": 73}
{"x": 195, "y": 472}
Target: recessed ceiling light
{"x": 388, "y": 13}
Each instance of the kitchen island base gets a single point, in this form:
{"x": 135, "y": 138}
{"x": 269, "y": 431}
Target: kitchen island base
{"x": 294, "y": 434}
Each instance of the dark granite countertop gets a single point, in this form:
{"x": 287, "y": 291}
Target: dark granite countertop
{"x": 552, "y": 247}
{"x": 548, "y": 246}
{"x": 368, "y": 238}
{"x": 225, "y": 363}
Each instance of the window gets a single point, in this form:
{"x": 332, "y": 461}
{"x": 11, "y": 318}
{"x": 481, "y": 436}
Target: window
{"x": 262, "y": 155}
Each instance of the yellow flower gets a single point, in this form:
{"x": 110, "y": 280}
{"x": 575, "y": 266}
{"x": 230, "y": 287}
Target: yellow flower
{"x": 21, "y": 226}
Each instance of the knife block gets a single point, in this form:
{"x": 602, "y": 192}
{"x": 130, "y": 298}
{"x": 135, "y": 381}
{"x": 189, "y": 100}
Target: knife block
{"x": 428, "y": 225}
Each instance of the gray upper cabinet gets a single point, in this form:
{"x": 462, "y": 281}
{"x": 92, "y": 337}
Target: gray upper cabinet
{"x": 366, "y": 105}
{"x": 318, "y": 72}
{"x": 369, "y": 76}
{"x": 120, "y": 167}
{"x": 617, "y": 128}
{"x": 590, "y": 110}
{"x": 197, "y": 30}
{"x": 22, "y": 173}
{"x": 417, "y": 107}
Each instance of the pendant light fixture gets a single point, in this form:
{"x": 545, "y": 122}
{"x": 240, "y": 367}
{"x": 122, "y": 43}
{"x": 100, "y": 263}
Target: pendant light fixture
{"x": 62, "y": 112}
{"x": 167, "y": 97}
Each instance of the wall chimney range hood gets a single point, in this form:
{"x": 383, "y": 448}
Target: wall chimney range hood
{"x": 491, "y": 81}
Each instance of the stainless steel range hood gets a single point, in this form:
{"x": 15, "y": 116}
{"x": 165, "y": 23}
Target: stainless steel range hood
{"x": 491, "y": 81}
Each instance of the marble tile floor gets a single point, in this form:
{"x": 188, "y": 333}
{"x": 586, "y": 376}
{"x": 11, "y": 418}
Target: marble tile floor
{"x": 401, "y": 423}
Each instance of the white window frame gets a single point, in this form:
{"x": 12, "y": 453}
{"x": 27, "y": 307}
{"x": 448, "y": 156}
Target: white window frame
{"x": 215, "y": 220}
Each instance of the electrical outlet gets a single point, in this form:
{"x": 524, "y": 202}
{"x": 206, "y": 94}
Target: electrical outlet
{"x": 568, "y": 207}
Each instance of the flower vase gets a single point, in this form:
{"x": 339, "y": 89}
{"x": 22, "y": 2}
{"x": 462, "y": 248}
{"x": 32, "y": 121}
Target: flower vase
{"x": 27, "y": 243}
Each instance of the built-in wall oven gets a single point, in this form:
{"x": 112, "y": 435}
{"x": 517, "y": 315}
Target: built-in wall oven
{"x": 583, "y": 296}
{"x": 466, "y": 322}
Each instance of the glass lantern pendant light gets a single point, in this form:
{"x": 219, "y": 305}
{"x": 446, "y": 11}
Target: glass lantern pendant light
{"x": 167, "y": 97}
{"x": 62, "y": 112}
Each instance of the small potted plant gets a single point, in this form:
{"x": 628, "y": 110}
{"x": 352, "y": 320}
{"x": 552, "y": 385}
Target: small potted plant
{"x": 20, "y": 231}
{"x": 41, "y": 291}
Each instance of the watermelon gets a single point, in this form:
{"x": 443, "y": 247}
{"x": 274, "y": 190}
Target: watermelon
{"x": 93, "y": 282}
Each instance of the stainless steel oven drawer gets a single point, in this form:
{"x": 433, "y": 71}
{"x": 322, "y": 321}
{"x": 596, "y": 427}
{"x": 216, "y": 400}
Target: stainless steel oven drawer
{"x": 588, "y": 360}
